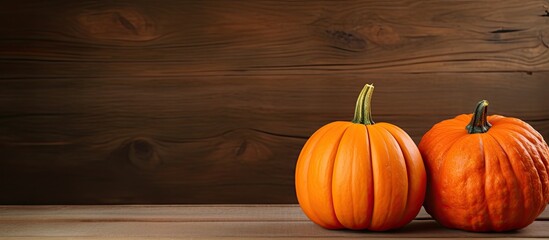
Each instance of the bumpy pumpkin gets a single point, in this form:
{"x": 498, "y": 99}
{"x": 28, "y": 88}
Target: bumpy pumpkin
{"x": 360, "y": 174}
{"x": 485, "y": 173}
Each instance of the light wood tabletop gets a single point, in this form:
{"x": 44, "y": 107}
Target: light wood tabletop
{"x": 208, "y": 222}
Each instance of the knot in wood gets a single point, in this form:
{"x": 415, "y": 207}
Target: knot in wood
{"x": 382, "y": 35}
{"x": 142, "y": 154}
{"x": 116, "y": 24}
{"x": 346, "y": 39}
{"x": 244, "y": 146}
{"x": 544, "y": 38}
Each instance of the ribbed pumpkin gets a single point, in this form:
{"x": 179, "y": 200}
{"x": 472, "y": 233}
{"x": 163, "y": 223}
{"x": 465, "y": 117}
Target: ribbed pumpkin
{"x": 360, "y": 174}
{"x": 485, "y": 173}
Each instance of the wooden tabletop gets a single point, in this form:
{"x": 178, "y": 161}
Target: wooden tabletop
{"x": 208, "y": 222}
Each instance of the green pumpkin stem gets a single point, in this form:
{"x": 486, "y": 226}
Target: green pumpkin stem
{"x": 479, "y": 122}
{"x": 363, "y": 109}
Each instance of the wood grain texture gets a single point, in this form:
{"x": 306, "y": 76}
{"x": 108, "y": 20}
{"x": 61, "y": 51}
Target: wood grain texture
{"x": 208, "y": 222}
{"x": 175, "y": 213}
{"x": 163, "y": 213}
{"x": 210, "y": 102}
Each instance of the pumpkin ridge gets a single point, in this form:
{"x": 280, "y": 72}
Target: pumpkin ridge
{"x": 389, "y": 133}
{"x": 369, "y": 132}
{"x": 432, "y": 206}
{"x": 520, "y": 130}
{"x": 486, "y": 162}
{"x": 514, "y": 183}
{"x": 434, "y": 141}
{"x": 408, "y": 161}
{"x": 345, "y": 126}
{"x": 520, "y": 139}
{"x": 382, "y": 226}
{"x": 353, "y": 189}
{"x": 450, "y": 144}
{"x": 372, "y": 168}
{"x": 353, "y": 169}
{"x": 353, "y": 172}
{"x": 367, "y": 140}
{"x": 387, "y": 167}
{"x": 469, "y": 191}
{"x": 310, "y": 145}
{"x": 535, "y": 138}
{"x": 507, "y": 199}
{"x": 332, "y": 178}
{"x": 544, "y": 157}
{"x": 515, "y": 123}
{"x": 312, "y": 211}
{"x": 513, "y": 171}
{"x": 466, "y": 197}
{"x": 538, "y": 152}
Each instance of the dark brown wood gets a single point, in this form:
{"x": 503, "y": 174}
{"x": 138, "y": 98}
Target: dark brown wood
{"x": 209, "y": 222}
{"x": 211, "y": 101}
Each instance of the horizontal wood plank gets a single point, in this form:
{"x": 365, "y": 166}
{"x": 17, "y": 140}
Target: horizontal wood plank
{"x": 170, "y": 213}
{"x": 156, "y": 213}
{"x": 200, "y": 141}
{"x": 208, "y": 221}
{"x": 86, "y": 38}
{"x": 420, "y": 229}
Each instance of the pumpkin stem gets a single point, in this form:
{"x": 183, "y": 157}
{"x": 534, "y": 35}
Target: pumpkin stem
{"x": 363, "y": 109}
{"x": 479, "y": 122}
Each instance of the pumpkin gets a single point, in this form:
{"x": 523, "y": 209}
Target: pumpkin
{"x": 485, "y": 173}
{"x": 360, "y": 174}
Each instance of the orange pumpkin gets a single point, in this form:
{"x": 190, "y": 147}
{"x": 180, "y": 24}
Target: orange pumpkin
{"x": 360, "y": 174}
{"x": 485, "y": 173}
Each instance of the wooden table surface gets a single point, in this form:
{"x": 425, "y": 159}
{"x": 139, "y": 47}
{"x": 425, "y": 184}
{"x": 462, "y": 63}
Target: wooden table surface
{"x": 208, "y": 222}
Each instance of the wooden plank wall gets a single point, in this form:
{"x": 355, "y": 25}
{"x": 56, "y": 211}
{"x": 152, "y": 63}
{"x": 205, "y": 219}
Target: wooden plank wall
{"x": 136, "y": 101}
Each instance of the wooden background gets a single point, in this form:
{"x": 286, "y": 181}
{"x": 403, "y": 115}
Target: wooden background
{"x": 211, "y": 101}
